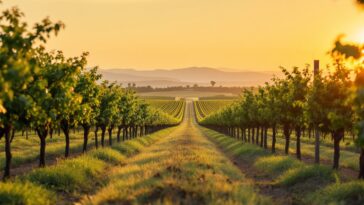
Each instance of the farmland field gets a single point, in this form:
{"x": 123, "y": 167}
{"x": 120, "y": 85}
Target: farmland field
{"x": 184, "y": 94}
{"x": 206, "y": 107}
{"x": 187, "y": 164}
{"x": 182, "y": 103}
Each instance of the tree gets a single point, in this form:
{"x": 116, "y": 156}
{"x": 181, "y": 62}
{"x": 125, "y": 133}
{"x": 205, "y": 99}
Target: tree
{"x": 212, "y": 83}
{"x": 273, "y": 103}
{"x": 88, "y": 88}
{"x": 66, "y": 100}
{"x": 285, "y": 107}
{"x": 126, "y": 108}
{"x": 359, "y": 105}
{"x": 108, "y": 109}
{"x": 299, "y": 80}
{"x": 339, "y": 109}
{"x": 18, "y": 67}
{"x": 316, "y": 116}
{"x": 52, "y": 94}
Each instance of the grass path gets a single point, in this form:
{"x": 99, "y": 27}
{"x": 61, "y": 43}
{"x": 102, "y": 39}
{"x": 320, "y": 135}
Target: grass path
{"x": 182, "y": 168}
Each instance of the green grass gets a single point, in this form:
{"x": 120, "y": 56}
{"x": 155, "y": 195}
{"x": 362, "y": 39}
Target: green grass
{"x": 350, "y": 193}
{"x": 75, "y": 176}
{"x": 17, "y": 193}
{"x": 244, "y": 151}
{"x": 297, "y": 178}
{"x": 108, "y": 155}
{"x": 311, "y": 174}
{"x": 276, "y": 165}
{"x": 69, "y": 175}
{"x": 182, "y": 168}
{"x": 27, "y": 150}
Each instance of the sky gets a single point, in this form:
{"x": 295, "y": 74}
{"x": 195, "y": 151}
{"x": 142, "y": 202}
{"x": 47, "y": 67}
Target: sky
{"x": 254, "y": 35}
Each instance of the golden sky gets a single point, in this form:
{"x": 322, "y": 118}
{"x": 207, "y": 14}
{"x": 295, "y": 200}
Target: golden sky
{"x": 235, "y": 34}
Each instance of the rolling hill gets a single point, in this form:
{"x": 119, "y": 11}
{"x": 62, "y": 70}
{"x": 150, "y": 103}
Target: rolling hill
{"x": 186, "y": 76}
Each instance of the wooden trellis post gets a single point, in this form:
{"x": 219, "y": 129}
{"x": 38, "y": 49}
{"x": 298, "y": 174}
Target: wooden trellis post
{"x": 316, "y": 70}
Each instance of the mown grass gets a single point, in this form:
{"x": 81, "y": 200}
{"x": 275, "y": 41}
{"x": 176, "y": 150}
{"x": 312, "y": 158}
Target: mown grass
{"x": 18, "y": 193}
{"x": 276, "y": 165}
{"x": 309, "y": 184}
{"x": 312, "y": 175}
{"x": 350, "y": 193}
{"x": 108, "y": 155}
{"x": 73, "y": 176}
{"x": 183, "y": 168}
{"x": 27, "y": 150}
{"x": 348, "y": 159}
{"x": 68, "y": 175}
{"x": 248, "y": 152}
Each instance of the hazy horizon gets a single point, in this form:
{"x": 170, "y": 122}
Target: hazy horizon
{"x": 252, "y": 35}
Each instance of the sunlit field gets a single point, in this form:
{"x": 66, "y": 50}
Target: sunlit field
{"x": 140, "y": 102}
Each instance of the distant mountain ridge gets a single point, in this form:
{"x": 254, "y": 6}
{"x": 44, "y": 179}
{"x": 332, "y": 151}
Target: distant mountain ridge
{"x": 186, "y": 76}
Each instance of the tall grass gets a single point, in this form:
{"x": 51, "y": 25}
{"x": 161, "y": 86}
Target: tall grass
{"x": 108, "y": 155}
{"x": 17, "y": 193}
{"x": 350, "y": 193}
{"x": 68, "y": 175}
{"x": 182, "y": 168}
{"x": 277, "y": 165}
{"x": 312, "y": 174}
{"x": 72, "y": 176}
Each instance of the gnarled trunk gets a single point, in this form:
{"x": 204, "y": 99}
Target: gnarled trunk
{"x": 286, "y": 133}
{"x": 110, "y": 134}
{"x": 66, "y": 130}
{"x": 337, "y": 137}
{"x": 86, "y": 131}
{"x": 118, "y": 133}
{"x": 103, "y": 131}
{"x": 42, "y": 134}
{"x": 253, "y": 135}
{"x": 361, "y": 164}
{"x": 317, "y": 146}
{"x": 96, "y": 137}
{"x": 298, "y": 142}
{"x": 262, "y": 137}
{"x": 7, "y": 132}
{"x": 249, "y": 135}
{"x": 51, "y": 133}
{"x": 265, "y": 144}
{"x": 274, "y": 138}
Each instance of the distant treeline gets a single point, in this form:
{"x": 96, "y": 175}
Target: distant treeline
{"x": 233, "y": 90}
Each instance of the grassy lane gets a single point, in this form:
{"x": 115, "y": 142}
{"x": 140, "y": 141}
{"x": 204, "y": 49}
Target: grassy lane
{"x": 285, "y": 179}
{"x": 348, "y": 159}
{"x": 69, "y": 180}
{"x": 182, "y": 168}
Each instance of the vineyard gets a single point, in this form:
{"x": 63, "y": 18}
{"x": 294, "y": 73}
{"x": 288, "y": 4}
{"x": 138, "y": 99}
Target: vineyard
{"x": 172, "y": 107}
{"x": 68, "y": 136}
{"x": 207, "y": 107}
{"x": 47, "y": 99}
{"x": 308, "y": 107}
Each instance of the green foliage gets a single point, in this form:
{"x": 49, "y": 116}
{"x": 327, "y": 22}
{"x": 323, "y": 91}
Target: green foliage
{"x": 88, "y": 88}
{"x": 314, "y": 174}
{"x": 277, "y": 165}
{"x": 341, "y": 193}
{"x": 68, "y": 175}
{"x": 108, "y": 155}
{"x": 16, "y": 193}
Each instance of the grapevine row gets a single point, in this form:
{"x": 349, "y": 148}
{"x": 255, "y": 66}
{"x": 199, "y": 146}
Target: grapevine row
{"x": 45, "y": 91}
{"x": 330, "y": 104}
{"x": 207, "y": 107}
{"x": 174, "y": 108}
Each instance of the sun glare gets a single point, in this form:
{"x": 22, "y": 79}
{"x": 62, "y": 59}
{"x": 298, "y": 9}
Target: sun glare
{"x": 358, "y": 37}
